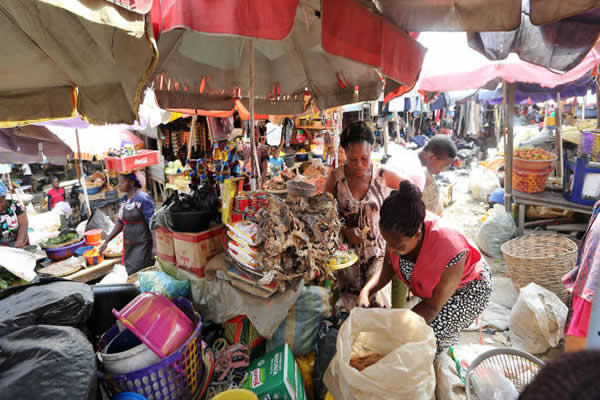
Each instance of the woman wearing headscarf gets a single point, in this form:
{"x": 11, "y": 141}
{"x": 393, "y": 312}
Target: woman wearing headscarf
{"x": 13, "y": 221}
{"x": 136, "y": 209}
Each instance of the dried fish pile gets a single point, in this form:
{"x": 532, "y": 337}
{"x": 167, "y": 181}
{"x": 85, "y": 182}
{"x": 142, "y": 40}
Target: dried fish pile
{"x": 297, "y": 237}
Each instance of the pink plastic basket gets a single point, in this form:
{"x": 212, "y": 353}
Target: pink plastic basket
{"x": 176, "y": 377}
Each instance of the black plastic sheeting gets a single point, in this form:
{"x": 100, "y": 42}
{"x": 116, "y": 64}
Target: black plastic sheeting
{"x": 61, "y": 303}
{"x": 559, "y": 46}
{"x": 47, "y": 363}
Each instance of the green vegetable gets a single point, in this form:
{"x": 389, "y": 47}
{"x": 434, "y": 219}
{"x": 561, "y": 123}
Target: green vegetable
{"x": 7, "y": 279}
{"x": 60, "y": 239}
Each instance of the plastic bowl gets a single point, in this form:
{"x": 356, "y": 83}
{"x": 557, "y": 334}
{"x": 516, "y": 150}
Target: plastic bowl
{"x": 157, "y": 322}
{"x": 126, "y": 353}
{"x": 533, "y": 165}
{"x": 79, "y": 252}
{"x": 93, "y": 236}
{"x": 62, "y": 253}
{"x": 236, "y": 394}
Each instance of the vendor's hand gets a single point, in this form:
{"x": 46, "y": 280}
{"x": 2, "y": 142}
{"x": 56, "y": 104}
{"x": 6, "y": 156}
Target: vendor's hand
{"x": 102, "y": 247}
{"x": 354, "y": 236}
{"x": 363, "y": 299}
{"x": 20, "y": 244}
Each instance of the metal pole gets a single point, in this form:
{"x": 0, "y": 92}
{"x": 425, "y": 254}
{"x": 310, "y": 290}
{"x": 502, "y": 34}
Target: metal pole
{"x": 192, "y": 134}
{"x": 559, "y": 148}
{"x": 255, "y": 183}
{"x": 385, "y": 137}
{"x": 509, "y": 110}
{"x": 82, "y": 178}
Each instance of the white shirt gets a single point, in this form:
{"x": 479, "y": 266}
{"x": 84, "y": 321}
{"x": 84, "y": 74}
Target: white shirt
{"x": 407, "y": 164}
{"x": 26, "y": 170}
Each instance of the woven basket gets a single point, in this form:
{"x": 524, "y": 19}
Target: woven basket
{"x": 543, "y": 259}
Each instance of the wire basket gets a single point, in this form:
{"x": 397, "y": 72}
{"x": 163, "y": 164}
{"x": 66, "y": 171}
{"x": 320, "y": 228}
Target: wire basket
{"x": 176, "y": 377}
{"x": 530, "y": 181}
{"x": 543, "y": 259}
{"x": 517, "y": 366}
{"x": 590, "y": 144}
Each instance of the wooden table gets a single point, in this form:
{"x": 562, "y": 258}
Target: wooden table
{"x": 548, "y": 199}
{"x": 97, "y": 271}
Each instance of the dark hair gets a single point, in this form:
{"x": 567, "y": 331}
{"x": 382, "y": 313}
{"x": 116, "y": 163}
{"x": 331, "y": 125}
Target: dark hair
{"x": 441, "y": 146}
{"x": 54, "y": 177}
{"x": 355, "y": 133}
{"x": 404, "y": 210}
{"x": 133, "y": 178}
{"x": 572, "y": 376}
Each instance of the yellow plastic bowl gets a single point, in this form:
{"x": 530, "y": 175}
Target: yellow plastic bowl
{"x": 236, "y": 394}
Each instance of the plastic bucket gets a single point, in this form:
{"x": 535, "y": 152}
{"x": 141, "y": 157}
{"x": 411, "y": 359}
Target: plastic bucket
{"x": 126, "y": 353}
{"x": 93, "y": 235}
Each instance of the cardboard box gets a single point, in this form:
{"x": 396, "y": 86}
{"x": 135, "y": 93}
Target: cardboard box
{"x": 276, "y": 376}
{"x": 194, "y": 250}
{"x": 165, "y": 248}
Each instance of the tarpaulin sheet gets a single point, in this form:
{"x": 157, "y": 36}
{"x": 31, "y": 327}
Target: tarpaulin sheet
{"x": 60, "y": 57}
{"x": 27, "y": 144}
{"x": 204, "y": 61}
{"x": 547, "y": 11}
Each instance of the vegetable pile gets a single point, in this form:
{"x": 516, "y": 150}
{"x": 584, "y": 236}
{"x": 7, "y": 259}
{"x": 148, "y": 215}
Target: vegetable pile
{"x": 533, "y": 153}
{"x": 8, "y": 279}
{"x": 60, "y": 239}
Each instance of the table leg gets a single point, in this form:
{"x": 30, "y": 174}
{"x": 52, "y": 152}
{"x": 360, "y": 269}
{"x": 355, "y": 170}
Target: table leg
{"x": 521, "y": 218}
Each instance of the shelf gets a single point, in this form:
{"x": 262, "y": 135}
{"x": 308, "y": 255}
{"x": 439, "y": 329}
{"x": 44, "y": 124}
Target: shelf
{"x": 315, "y": 127}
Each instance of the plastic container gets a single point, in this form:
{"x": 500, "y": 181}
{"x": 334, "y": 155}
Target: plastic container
{"x": 301, "y": 157}
{"x": 290, "y": 160}
{"x": 236, "y": 394}
{"x": 94, "y": 260}
{"x": 93, "y": 244}
{"x": 126, "y": 353}
{"x": 93, "y": 236}
{"x": 590, "y": 144}
{"x": 128, "y": 396}
{"x": 80, "y": 251}
{"x": 142, "y": 159}
{"x": 530, "y": 181}
{"x": 533, "y": 165}
{"x": 177, "y": 376}
{"x": 62, "y": 253}
{"x": 157, "y": 322}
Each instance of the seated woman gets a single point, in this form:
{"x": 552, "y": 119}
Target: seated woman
{"x": 360, "y": 188}
{"x": 437, "y": 263}
{"x": 13, "y": 222}
{"x": 582, "y": 282}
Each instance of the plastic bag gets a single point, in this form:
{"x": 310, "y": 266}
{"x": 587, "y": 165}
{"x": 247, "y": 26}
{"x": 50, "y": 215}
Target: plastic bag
{"x": 47, "y": 363}
{"x": 497, "y": 229}
{"x": 490, "y": 383}
{"x": 537, "y": 321}
{"x": 299, "y": 329}
{"x": 306, "y": 365}
{"x": 482, "y": 183}
{"x": 99, "y": 220}
{"x": 324, "y": 351}
{"x": 406, "y": 371}
{"x": 449, "y": 386}
{"x": 116, "y": 276}
{"x": 163, "y": 283}
{"x": 56, "y": 303}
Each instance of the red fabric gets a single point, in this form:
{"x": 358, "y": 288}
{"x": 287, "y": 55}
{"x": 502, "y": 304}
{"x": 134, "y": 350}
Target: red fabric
{"x": 264, "y": 19}
{"x": 239, "y": 106}
{"x": 137, "y": 6}
{"x": 373, "y": 41}
{"x": 580, "y": 321}
{"x": 56, "y": 196}
{"x": 440, "y": 246}
{"x": 519, "y": 71}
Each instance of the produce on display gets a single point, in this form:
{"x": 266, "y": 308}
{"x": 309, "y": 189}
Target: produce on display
{"x": 8, "y": 279}
{"x": 297, "y": 237}
{"x": 60, "y": 240}
{"x": 532, "y": 153}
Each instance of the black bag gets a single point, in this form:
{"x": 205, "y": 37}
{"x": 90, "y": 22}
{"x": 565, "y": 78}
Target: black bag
{"x": 47, "y": 363}
{"x": 50, "y": 302}
{"x": 325, "y": 351}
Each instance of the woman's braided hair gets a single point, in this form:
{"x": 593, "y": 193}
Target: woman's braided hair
{"x": 404, "y": 210}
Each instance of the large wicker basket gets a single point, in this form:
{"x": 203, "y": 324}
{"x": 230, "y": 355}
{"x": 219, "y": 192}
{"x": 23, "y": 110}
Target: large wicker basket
{"x": 543, "y": 259}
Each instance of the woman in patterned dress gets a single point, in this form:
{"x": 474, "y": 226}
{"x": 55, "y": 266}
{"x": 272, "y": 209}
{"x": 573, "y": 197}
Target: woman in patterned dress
{"x": 360, "y": 188}
{"x": 13, "y": 221}
{"x": 438, "y": 264}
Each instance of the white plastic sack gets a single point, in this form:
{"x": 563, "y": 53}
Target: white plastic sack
{"x": 537, "y": 321}
{"x": 406, "y": 371}
{"x": 117, "y": 276}
{"x": 482, "y": 183}
{"x": 497, "y": 229}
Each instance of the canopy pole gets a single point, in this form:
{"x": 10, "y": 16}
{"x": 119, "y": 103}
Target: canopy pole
{"x": 385, "y": 137}
{"x": 557, "y": 132}
{"x": 597, "y": 97}
{"x": 192, "y": 134}
{"x": 82, "y": 178}
{"x": 509, "y": 111}
{"x": 255, "y": 183}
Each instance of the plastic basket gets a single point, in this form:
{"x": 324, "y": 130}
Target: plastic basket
{"x": 176, "y": 377}
{"x": 590, "y": 144}
{"x": 530, "y": 181}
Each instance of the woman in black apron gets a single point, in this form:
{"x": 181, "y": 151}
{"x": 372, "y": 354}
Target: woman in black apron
{"x": 136, "y": 209}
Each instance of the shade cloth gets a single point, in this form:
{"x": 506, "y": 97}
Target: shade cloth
{"x": 29, "y": 144}
{"x": 299, "y": 44}
{"x": 61, "y": 56}
{"x": 548, "y": 11}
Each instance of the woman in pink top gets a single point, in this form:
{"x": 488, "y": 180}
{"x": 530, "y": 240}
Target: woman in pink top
{"x": 437, "y": 263}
